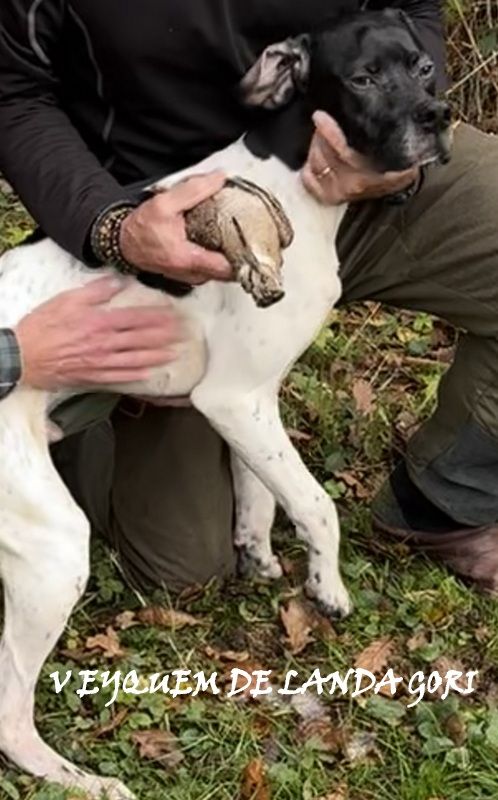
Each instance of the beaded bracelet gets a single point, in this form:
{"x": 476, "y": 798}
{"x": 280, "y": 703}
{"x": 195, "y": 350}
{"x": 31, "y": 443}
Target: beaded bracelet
{"x": 105, "y": 237}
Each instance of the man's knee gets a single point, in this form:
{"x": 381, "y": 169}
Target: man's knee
{"x": 172, "y": 499}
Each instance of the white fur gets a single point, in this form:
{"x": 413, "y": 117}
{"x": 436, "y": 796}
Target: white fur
{"x": 232, "y": 366}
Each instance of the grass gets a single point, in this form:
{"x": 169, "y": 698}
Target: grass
{"x": 435, "y": 750}
{"x": 351, "y": 404}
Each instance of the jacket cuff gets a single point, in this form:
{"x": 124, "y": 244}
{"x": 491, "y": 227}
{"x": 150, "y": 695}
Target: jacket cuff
{"x": 10, "y": 361}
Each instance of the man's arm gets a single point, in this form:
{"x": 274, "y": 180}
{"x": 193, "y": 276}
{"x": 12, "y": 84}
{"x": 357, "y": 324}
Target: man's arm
{"x": 59, "y": 180}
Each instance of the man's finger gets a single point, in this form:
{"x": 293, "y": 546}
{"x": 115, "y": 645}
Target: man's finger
{"x": 312, "y": 183}
{"x": 138, "y": 317}
{"x": 112, "y": 376}
{"x": 189, "y": 193}
{"x": 401, "y": 178}
{"x": 330, "y": 131}
{"x": 101, "y": 290}
{"x": 136, "y": 359}
{"x": 209, "y": 264}
{"x": 144, "y": 339}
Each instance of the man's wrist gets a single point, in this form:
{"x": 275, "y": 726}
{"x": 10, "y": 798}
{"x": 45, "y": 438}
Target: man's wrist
{"x": 10, "y": 361}
{"x": 105, "y": 237}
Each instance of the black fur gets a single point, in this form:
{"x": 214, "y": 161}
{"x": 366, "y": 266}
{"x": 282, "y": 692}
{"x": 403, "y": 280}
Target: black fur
{"x": 379, "y": 47}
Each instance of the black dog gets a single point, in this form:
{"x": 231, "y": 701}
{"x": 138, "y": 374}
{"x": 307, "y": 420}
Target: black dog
{"x": 370, "y": 73}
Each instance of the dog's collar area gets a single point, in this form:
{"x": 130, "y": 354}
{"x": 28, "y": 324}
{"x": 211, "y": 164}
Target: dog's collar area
{"x": 156, "y": 281}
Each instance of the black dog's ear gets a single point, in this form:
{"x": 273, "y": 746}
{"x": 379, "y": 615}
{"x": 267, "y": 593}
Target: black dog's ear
{"x": 398, "y": 15}
{"x": 281, "y": 71}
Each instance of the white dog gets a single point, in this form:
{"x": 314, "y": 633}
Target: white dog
{"x": 232, "y": 365}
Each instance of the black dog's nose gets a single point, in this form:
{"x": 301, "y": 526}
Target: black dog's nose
{"x": 433, "y": 117}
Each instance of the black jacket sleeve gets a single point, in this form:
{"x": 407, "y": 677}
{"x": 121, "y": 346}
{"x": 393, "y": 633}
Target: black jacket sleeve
{"x": 59, "y": 180}
{"x": 429, "y": 21}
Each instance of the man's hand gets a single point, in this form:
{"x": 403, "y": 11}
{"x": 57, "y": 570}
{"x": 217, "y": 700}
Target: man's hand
{"x": 75, "y": 340}
{"x": 153, "y": 237}
{"x": 335, "y": 174}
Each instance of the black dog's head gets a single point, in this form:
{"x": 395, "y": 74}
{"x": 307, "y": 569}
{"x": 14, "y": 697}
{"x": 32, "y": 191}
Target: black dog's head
{"x": 371, "y": 74}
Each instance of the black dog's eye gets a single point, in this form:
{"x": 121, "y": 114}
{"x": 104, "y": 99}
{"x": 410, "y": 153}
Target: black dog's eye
{"x": 426, "y": 70}
{"x": 362, "y": 81}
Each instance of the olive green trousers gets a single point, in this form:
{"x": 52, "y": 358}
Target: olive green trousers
{"x": 158, "y": 484}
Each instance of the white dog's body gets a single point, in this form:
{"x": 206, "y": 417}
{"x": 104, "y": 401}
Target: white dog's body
{"x": 232, "y": 365}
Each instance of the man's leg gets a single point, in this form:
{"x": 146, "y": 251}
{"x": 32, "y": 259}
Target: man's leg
{"x": 439, "y": 254}
{"x": 156, "y": 482}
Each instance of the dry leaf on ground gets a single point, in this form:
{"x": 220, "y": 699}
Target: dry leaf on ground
{"x": 444, "y": 665}
{"x": 108, "y": 642}
{"x": 227, "y": 655}
{"x": 298, "y": 436}
{"x": 159, "y": 746}
{"x": 417, "y": 641}
{"x": 364, "y": 397}
{"x": 375, "y": 657}
{"x": 328, "y": 738}
{"x": 166, "y": 618}
{"x": 125, "y": 620}
{"x": 356, "y": 485}
{"x": 360, "y": 746}
{"x": 254, "y": 782}
{"x": 241, "y": 680}
{"x": 298, "y": 624}
{"x": 308, "y": 706}
{"x": 115, "y": 722}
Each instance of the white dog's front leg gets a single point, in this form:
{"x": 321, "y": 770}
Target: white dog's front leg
{"x": 255, "y": 511}
{"x": 251, "y": 425}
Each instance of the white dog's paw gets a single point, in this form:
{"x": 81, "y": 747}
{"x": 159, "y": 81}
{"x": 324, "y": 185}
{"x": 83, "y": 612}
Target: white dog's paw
{"x": 251, "y": 563}
{"x": 331, "y": 597}
{"x": 111, "y": 789}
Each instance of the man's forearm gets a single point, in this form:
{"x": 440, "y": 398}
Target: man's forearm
{"x": 61, "y": 183}
{"x": 41, "y": 153}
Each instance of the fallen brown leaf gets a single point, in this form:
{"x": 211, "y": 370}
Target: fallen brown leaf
{"x": 114, "y": 723}
{"x": 360, "y": 746}
{"x": 308, "y": 706}
{"x": 298, "y": 624}
{"x": 80, "y": 655}
{"x": 160, "y": 746}
{"x": 375, "y": 657}
{"x": 226, "y": 655}
{"x": 364, "y": 397}
{"x": 298, "y": 436}
{"x": 166, "y": 618}
{"x": 108, "y": 642}
{"x": 417, "y": 641}
{"x": 444, "y": 665}
{"x": 254, "y": 782}
{"x": 328, "y": 738}
{"x": 356, "y": 485}
{"x": 249, "y": 667}
{"x": 125, "y": 620}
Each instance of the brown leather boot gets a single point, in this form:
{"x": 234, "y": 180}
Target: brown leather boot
{"x": 402, "y": 512}
{"x": 472, "y": 553}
